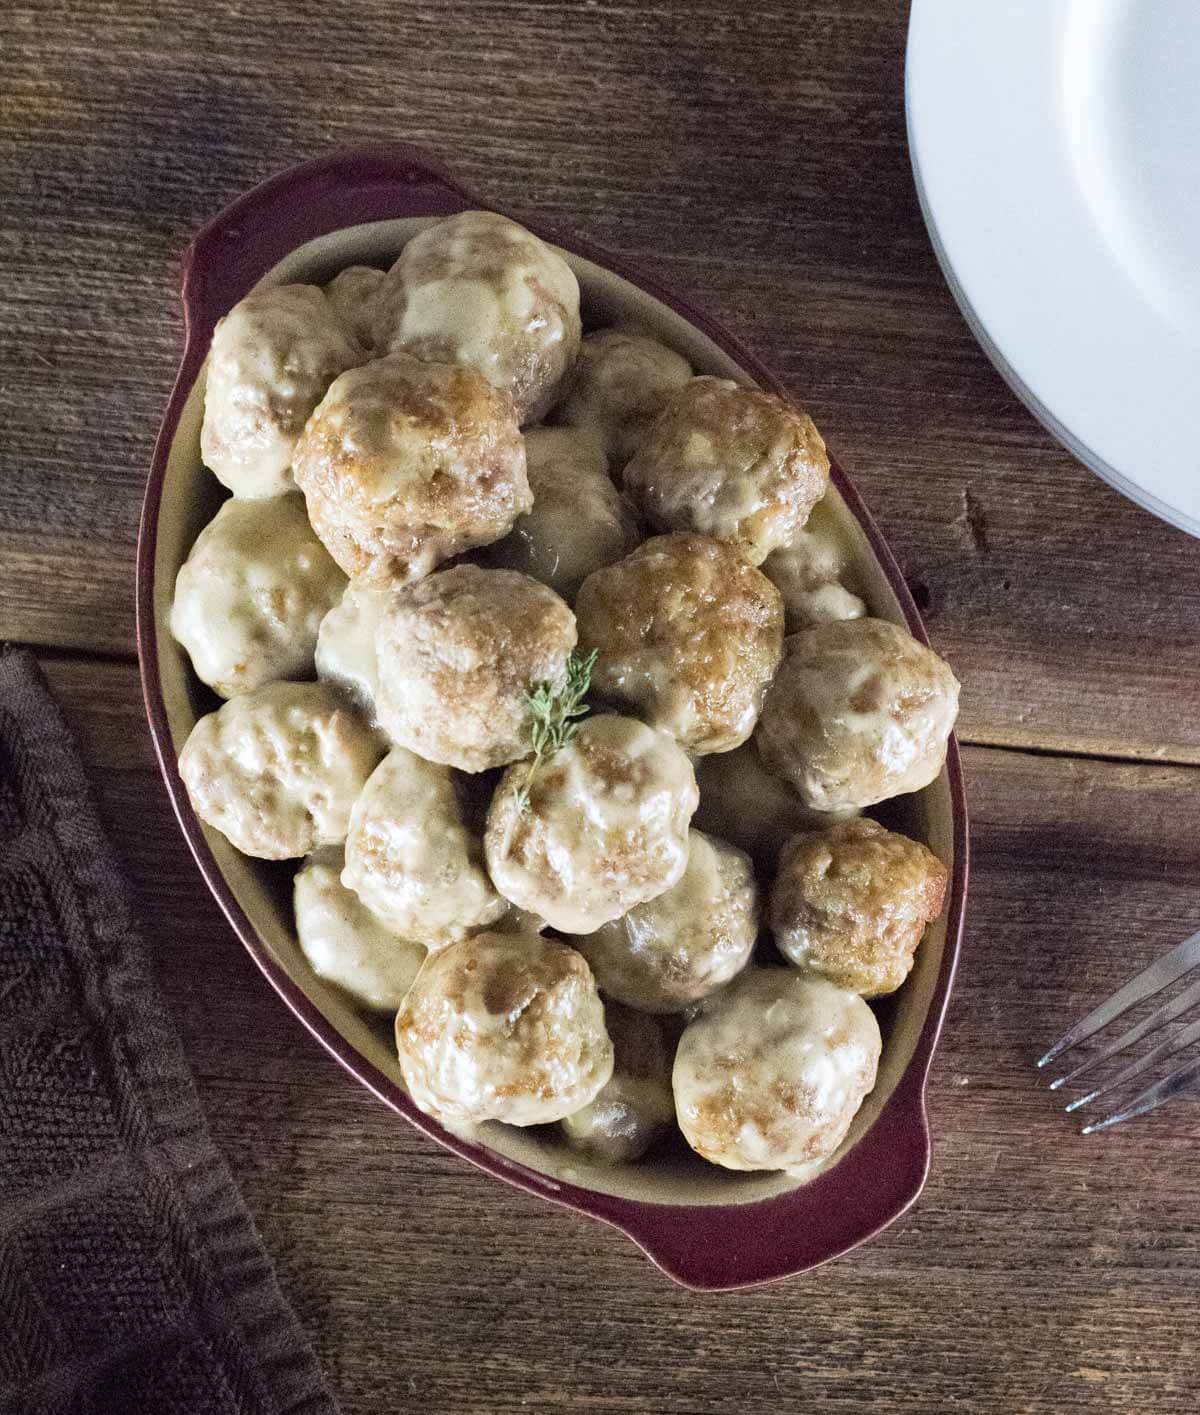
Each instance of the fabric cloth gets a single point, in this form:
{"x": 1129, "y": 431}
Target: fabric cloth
{"x": 132, "y": 1281}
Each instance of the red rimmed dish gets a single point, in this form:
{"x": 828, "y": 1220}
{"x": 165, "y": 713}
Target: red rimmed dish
{"x": 707, "y": 1228}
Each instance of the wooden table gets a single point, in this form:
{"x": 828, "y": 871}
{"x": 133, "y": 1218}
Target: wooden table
{"x": 756, "y": 155}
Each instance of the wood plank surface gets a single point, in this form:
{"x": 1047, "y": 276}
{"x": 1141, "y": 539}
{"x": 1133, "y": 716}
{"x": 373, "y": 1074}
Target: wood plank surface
{"x": 1040, "y": 1271}
{"x": 754, "y": 154}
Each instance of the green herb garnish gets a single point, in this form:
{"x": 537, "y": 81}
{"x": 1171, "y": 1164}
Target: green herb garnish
{"x": 554, "y": 714}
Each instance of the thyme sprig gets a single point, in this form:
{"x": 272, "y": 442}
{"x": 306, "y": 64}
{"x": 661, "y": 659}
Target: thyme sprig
{"x": 555, "y": 710}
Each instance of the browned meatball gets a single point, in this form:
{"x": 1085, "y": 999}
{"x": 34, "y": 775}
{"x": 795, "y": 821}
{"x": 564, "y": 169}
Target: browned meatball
{"x": 742, "y": 802}
{"x": 503, "y": 1027}
{"x": 689, "y": 636}
{"x": 808, "y": 576}
{"x": 352, "y": 293}
{"x": 272, "y": 358}
{"x": 730, "y": 462}
{"x": 414, "y": 858}
{"x": 479, "y": 290}
{"x": 252, "y": 594}
{"x": 277, "y": 771}
{"x": 674, "y": 951}
{"x": 636, "y": 1106}
{"x": 851, "y": 903}
{"x": 603, "y": 826}
{"x": 458, "y": 655}
{"x": 579, "y": 522}
{"x": 346, "y": 643}
{"x": 618, "y": 386}
{"x": 404, "y": 464}
{"x": 773, "y": 1071}
{"x": 344, "y": 942}
{"x": 859, "y": 712}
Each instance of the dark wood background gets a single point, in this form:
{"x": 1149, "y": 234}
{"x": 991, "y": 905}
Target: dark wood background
{"x": 755, "y": 154}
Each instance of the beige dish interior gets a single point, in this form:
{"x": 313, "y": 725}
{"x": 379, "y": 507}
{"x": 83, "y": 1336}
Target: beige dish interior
{"x": 190, "y": 498}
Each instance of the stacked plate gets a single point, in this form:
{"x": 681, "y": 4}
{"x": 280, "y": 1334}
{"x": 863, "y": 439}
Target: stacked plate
{"x": 1056, "y": 146}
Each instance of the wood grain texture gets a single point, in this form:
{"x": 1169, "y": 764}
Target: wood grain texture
{"x": 1040, "y": 1271}
{"x": 754, "y": 154}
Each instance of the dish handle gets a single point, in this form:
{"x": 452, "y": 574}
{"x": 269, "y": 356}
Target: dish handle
{"x": 742, "y": 1245}
{"x": 349, "y": 188}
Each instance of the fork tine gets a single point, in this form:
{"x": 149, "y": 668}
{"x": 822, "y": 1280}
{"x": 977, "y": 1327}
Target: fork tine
{"x": 1168, "y": 1012}
{"x": 1183, "y": 1079}
{"x": 1160, "y": 974}
{"x": 1186, "y": 1038}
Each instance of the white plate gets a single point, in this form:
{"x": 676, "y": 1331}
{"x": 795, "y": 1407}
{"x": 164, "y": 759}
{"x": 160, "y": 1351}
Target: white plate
{"x": 1056, "y": 147}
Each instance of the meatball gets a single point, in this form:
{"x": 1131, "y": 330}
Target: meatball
{"x": 859, "y": 712}
{"x": 689, "y": 636}
{"x": 353, "y": 297}
{"x": 729, "y": 462}
{"x": 851, "y": 903}
{"x": 345, "y": 943}
{"x": 599, "y": 827}
{"x": 579, "y": 520}
{"x": 636, "y": 1106}
{"x": 807, "y": 575}
{"x": 667, "y": 954}
{"x": 617, "y": 387}
{"x": 774, "y": 1070}
{"x": 411, "y": 859}
{"x": 346, "y": 643}
{"x": 252, "y": 593}
{"x": 741, "y": 801}
{"x": 503, "y": 1027}
{"x": 479, "y": 290}
{"x": 272, "y": 358}
{"x": 517, "y": 921}
{"x": 277, "y": 771}
{"x": 458, "y": 656}
{"x": 405, "y": 464}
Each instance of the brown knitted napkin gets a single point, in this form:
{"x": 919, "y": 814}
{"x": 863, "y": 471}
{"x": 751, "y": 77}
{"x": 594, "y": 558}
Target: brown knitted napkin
{"x": 132, "y": 1281}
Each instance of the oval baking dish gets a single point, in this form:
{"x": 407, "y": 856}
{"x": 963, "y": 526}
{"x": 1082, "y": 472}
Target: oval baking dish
{"x": 706, "y": 1227}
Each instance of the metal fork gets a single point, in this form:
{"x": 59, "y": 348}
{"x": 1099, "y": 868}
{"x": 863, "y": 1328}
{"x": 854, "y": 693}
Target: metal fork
{"x": 1182, "y": 1080}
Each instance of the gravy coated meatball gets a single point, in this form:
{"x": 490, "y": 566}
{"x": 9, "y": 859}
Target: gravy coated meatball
{"x": 859, "y": 712}
{"x": 774, "y": 1070}
{"x": 689, "y": 636}
{"x": 729, "y": 462}
{"x": 405, "y": 464}
{"x": 677, "y": 949}
{"x": 458, "y": 655}
{"x": 807, "y": 575}
{"x": 579, "y": 521}
{"x": 617, "y": 387}
{"x": 345, "y": 943}
{"x": 346, "y": 643}
{"x": 503, "y": 1027}
{"x": 272, "y": 358}
{"x": 352, "y": 295}
{"x": 636, "y": 1106}
{"x": 479, "y": 290}
{"x": 252, "y": 593}
{"x": 604, "y": 826}
{"x": 518, "y": 921}
{"x": 851, "y": 903}
{"x": 411, "y": 859}
{"x": 277, "y": 771}
{"x": 742, "y": 802}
